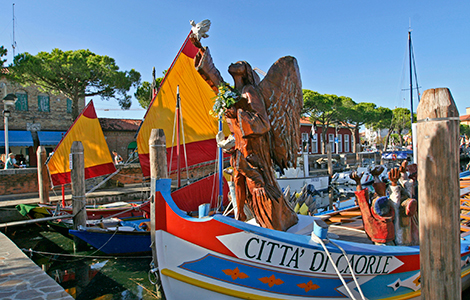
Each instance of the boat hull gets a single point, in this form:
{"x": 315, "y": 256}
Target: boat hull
{"x": 116, "y": 242}
{"x": 296, "y": 184}
{"x": 221, "y": 258}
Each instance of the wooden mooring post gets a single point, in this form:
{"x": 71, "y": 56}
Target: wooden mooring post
{"x": 330, "y": 160}
{"x": 358, "y": 155}
{"x": 158, "y": 170}
{"x": 438, "y": 179}
{"x": 77, "y": 175}
{"x": 43, "y": 178}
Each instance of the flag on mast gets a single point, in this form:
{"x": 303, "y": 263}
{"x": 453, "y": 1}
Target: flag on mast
{"x": 97, "y": 158}
{"x": 197, "y": 99}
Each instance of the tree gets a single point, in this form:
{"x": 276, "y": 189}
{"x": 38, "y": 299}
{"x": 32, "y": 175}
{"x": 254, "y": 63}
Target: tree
{"x": 322, "y": 109}
{"x": 353, "y": 115}
{"x": 144, "y": 92}
{"x": 401, "y": 121}
{"x": 3, "y": 52}
{"x": 76, "y": 74}
{"x": 383, "y": 120}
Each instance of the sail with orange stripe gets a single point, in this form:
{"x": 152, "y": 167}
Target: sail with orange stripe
{"x": 97, "y": 158}
{"x": 197, "y": 99}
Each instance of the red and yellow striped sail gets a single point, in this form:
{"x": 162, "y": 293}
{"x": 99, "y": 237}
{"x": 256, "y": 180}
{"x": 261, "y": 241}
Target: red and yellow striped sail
{"x": 98, "y": 160}
{"x": 197, "y": 99}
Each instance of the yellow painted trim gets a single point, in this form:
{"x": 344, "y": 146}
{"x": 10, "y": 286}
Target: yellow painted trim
{"x": 213, "y": 287}
{"x": 243, "y": 295}
{"x": 465, "y": 273}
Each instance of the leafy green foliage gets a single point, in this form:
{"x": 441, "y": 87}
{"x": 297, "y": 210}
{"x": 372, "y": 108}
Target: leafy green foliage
{"x": 225, "y": 99}
{"x": 76, "y": 74}
{"x": 464, "y": 129}
{"x": 3, "y": 52}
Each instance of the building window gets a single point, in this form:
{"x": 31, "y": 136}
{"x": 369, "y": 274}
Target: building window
{"x": 43, "y": 103}
{"x": 346, "y": 143}
{"x": 69, "y": 106}
{"x": 21, "y": 102}
{"x": 315, "y": 143}
{"x": 305, "y": 141}
{"x": 340, "y": 143}
{"x": 331, "y": 140}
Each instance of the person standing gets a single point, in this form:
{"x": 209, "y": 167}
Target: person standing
{"x": 11, "y": 162}
{"x": 117, "y": 158}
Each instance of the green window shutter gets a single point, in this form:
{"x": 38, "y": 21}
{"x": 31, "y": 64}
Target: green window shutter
{"x": 43, "y": 103}
{"x": 21, "y": 102}
{"x": 69, "y": 106}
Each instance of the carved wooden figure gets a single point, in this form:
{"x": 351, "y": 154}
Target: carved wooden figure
{"x": 377, "y": 215}
{"x": 264, "y": 123}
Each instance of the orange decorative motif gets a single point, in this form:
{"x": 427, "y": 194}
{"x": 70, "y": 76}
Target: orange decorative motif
{"x": 417, "y": 281}
{"x": 271, "y": 280}
{"x": 235, "y": 273}
{"x": 310, "y": 286}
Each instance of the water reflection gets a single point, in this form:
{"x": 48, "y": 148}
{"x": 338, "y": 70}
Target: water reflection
{"x": 83, "y": 277}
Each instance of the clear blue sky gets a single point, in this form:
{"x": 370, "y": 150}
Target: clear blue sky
{"x": 348, "y": 48}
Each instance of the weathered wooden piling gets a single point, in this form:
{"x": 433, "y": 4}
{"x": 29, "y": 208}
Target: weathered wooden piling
{"x": 330, "y": 160}
{"x": 77, "y": 175}
{"x": 358, "y": 155}
{"x": 158, "y": 170}
{"x": 438, "y": 178}
{"x": 43, "y": 178}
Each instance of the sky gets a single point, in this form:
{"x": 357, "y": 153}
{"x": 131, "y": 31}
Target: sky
{"x": 349, "y": 48}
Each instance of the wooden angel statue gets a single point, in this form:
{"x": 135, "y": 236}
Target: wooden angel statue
{"x": 263, "y": 117}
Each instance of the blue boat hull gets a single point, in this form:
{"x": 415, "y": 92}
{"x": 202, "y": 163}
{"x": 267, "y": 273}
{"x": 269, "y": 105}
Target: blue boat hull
{"x": 116, "y": 243}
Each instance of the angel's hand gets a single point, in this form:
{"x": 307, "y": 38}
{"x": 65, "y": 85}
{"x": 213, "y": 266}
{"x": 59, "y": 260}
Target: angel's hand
{"x": 196, "y": 42}
{"x": 394, "y": 175}
{"x": 231, "y": 112}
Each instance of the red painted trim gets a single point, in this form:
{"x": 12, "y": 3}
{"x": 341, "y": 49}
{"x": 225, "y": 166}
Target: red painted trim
{"x": 90, "y": 172}
{"x": 90, "y": 109}
{"x": 203, "y": 234}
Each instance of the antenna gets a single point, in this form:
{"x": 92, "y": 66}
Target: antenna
{"x": 13, "y": 45}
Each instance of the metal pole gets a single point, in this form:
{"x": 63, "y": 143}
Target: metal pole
{"x": 221, "y": 167}
{"x": 411, "y": 74}
{"x": 178, "y": 154}
{"x": 5, "y": 113}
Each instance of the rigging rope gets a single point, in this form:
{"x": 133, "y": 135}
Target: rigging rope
{"x": 317, "y": 239}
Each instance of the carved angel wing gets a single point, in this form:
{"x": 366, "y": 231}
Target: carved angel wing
{"x": 282, "y": 93}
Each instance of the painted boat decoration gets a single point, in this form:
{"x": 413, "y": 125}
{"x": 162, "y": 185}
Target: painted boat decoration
{"x": 222, "y": 258}
{"x": 132, "y": 237}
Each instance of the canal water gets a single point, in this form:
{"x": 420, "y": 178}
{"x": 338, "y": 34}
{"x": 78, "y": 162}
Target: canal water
{"x": 86, "y": 275}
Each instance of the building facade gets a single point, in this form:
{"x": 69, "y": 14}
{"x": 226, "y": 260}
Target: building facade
{"x": 340, "y": 138}
{"x": 120, "y": 136}
{"x": 38, "y": 118}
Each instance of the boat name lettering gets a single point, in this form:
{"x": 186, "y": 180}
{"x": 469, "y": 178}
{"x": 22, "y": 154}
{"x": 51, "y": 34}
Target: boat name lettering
{"x": 361, "y": 264}
{"x": 290, "y": 256}
{"x": 269, "y": 248}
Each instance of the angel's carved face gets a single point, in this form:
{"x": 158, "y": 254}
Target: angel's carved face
{"x": 238, "y": 68}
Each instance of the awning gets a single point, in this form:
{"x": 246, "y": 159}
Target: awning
{"x": 50, "y": 138}
{"x": 16, "y": 138}
{"x": 132, "y": 145}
